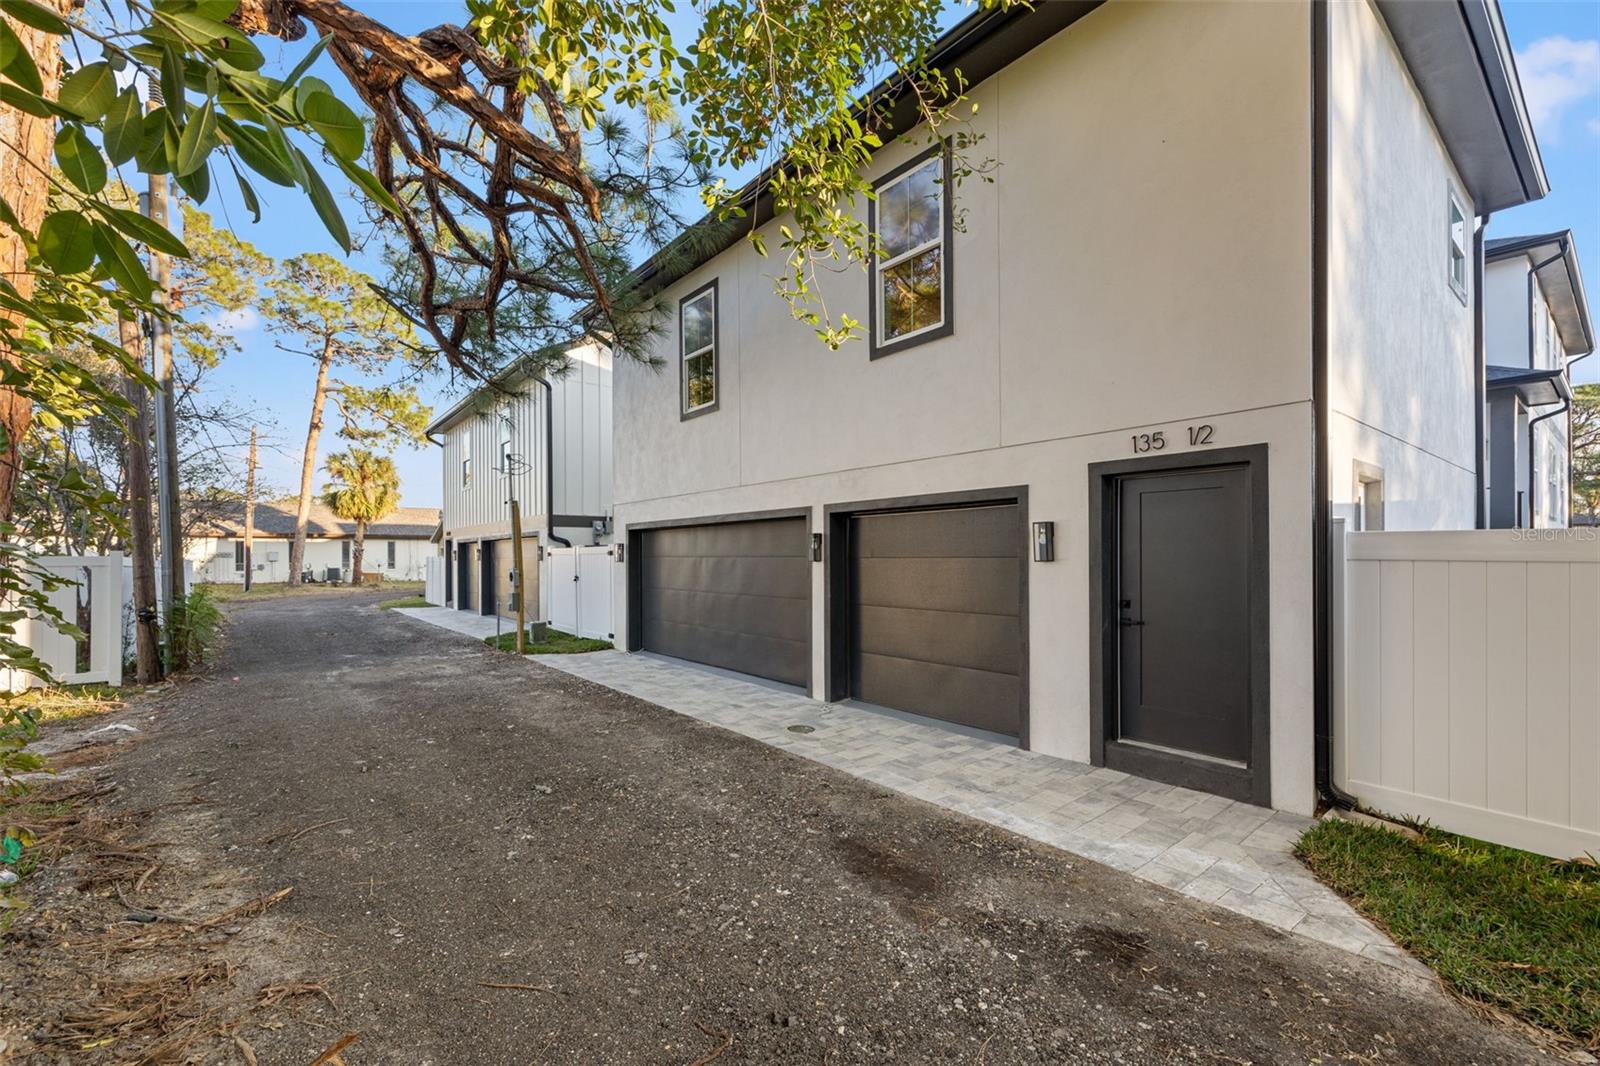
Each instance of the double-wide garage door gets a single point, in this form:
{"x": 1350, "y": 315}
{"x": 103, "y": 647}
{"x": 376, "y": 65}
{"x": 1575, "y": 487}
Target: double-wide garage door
{"x": 735, "y": 595}
{"x": 928, "y": 611}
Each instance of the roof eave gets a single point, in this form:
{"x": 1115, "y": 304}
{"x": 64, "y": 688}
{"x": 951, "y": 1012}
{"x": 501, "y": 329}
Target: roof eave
{"x": 1477, "y": 104}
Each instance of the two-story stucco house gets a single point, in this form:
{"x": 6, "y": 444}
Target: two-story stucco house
{"x": 543, "y": 440}
{"x": 1537, "y": 325}
{"x": 1073, "y": 489}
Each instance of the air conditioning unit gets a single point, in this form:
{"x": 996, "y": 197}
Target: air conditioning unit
{"x": 333, "y": 575}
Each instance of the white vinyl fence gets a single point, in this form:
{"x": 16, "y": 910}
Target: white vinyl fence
{"x": 93, "y": 603}
{"x": 579, "y": 586}
{"x": 433, "y": 580}
{"x": 1467, "y": 682}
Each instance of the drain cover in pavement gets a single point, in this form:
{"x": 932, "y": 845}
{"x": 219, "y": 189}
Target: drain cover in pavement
{"x": 802, "y": 729}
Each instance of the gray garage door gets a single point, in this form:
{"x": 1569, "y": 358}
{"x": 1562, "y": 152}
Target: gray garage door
{"x": 735, "y": 595}
{"x": 936, "y": 614}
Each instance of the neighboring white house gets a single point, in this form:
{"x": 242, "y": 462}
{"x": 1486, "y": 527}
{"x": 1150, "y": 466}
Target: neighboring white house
{"x": 1537, "y": 324}
{"x": 397, "y": 547}
{"x": 547, "y": 441}
{"x": 1074, "y": 487}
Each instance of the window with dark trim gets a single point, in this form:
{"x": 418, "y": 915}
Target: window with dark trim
{"x": 238, "y": 556}
{"x": 697, "y": 352}
{"x": 1460, "y": 242}
{"x": 911, "y": 219}
{"x": 466, "y": 458}
{"x": 391, "y": 555}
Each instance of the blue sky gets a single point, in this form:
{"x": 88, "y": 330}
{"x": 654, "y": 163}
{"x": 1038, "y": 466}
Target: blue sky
{"x": 1558, "y": 53}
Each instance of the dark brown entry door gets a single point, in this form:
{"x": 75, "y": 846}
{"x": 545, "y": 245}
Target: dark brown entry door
{"x": 936, "y": 613}
{"x": 1183, "y": 611}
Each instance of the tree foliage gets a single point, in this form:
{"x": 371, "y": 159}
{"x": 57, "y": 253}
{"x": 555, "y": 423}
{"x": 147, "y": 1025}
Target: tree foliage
{"x": 365, "y": 488}
{"x": 1586, "y": 449}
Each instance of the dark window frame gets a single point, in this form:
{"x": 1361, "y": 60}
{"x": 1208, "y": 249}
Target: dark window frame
{"x": 684, "y": 411}
{"x": 238, "y": 556}
{"x": 391, "y": 554}
{"x": 877, "y": 350}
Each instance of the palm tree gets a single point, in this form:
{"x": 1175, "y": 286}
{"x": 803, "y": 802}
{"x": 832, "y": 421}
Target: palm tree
{"x": 365, "y": 488}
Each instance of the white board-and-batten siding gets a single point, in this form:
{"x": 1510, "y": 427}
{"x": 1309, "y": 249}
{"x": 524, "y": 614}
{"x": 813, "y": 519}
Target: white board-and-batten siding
{"x": 580, "y": 415}
{"x": 1470, "y": 689}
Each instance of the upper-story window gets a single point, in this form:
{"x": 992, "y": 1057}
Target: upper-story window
{"x": 505, "y": 446}
{"x": 466, "y": 458}
{"x": 1460, "y": 241}
{"x": 697, "y": 351}
{"x": 911, "y": 218}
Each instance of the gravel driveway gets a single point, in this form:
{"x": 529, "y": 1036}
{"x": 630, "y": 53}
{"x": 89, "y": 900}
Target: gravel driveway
{"x": 452, "y": 819}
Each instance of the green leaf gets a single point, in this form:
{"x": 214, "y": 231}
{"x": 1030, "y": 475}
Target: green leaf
{"x": 323, "y": 201}
{"x": 80, "y": 160}
{"x": 89, "y": 92}
{"x": 123, "y": 132}
{"x": 306, "y": 88}
{"x": 31, "y": 14}
{"x": 216, "y": 39}
{"x": 145, "y": 230}
{"x": 122, "y": 262}
{"x": 15, "y": 62}
{"x": 341, "y": 130}
{"x": 197, "y": 139}
{"x": 197, "y": 183}
{"x": 23, "y": 100}
{"x": 250, "y": 202}
{"x": 370, "y": 186}
{"x": 160, "y": 143}
{"x": 172, "y": 84}
{"x": 65, "y": 242}
{"x": 305, "y": 62}
{"x": 259, "y": 152}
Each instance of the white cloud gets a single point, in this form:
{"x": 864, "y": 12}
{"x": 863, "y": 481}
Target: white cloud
{"x": 243, "y": 320}
{"x": 1556, "y": 73}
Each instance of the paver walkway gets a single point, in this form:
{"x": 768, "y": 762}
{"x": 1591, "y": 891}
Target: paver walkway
{"x": 1215, "y": 850}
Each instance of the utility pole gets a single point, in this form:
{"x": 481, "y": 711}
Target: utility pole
{"x": 250, "y": 514}
{"x": 136, "y": 457}
{"x": 155, "y": 208}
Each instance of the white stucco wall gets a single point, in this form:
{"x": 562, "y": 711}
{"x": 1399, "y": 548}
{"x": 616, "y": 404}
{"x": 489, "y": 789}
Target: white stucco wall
{"x": 1141, "y": 262}
{"x": 1505, "y": 312}
{"x": 581, "y": 405}
{"x": 1401, "y": 361}
{"x": 213, "y": 558}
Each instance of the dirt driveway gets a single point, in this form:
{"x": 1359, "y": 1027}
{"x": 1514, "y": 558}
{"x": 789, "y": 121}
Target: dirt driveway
{"x": 661, "y": 891}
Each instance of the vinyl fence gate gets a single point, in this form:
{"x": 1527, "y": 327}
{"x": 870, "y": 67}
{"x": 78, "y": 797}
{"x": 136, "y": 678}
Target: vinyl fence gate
{"x": 580, "y": 585}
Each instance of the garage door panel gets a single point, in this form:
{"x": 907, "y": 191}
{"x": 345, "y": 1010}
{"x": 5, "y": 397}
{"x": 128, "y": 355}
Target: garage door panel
{"x": 773, "y": 537}
{"x": 736, "y": 595}
{"x": 983, "y": 585}
{"x": 768, "y": 616}
{"x": 975, "y": 531}
{"x": 985, "y": 642}
{"x": 788, "y": 661}
{"x": 976, "y": 698}
{"x": 768, "y": 575}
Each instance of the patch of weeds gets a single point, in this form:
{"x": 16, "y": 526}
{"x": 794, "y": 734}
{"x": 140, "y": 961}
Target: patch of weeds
{"x": 1513, "y": 930}
{"x": 555, "y": 643}
{"x": 407, "y": 601}
{"x": 65, "y": 702}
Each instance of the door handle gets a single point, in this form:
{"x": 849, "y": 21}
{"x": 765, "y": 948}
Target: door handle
{"x": 1129, "y": 622}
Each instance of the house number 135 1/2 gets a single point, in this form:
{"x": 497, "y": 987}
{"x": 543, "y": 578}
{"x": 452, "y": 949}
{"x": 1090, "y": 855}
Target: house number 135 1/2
{"x": 1155, "y": 442}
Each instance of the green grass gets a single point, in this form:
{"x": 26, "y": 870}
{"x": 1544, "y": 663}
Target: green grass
{"x": 223, "y": 592}
{"x": 406, "y": 601}
{"x": 555, "y": 643}
{"x": 1507, "y": 928}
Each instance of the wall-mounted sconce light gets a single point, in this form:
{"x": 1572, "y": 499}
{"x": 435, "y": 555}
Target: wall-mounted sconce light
{"x": 620, "y": 547}
{"x": 816, "y": 547}
{"x": 1044, "y": 542}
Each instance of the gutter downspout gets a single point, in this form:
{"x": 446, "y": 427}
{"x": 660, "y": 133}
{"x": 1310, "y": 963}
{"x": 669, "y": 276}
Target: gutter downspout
{"x": 1533, "y": 279}
{"x": 1480, "y": 376}
{"x": 1328, "y": 794}
{"x": 550, "y": 465}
